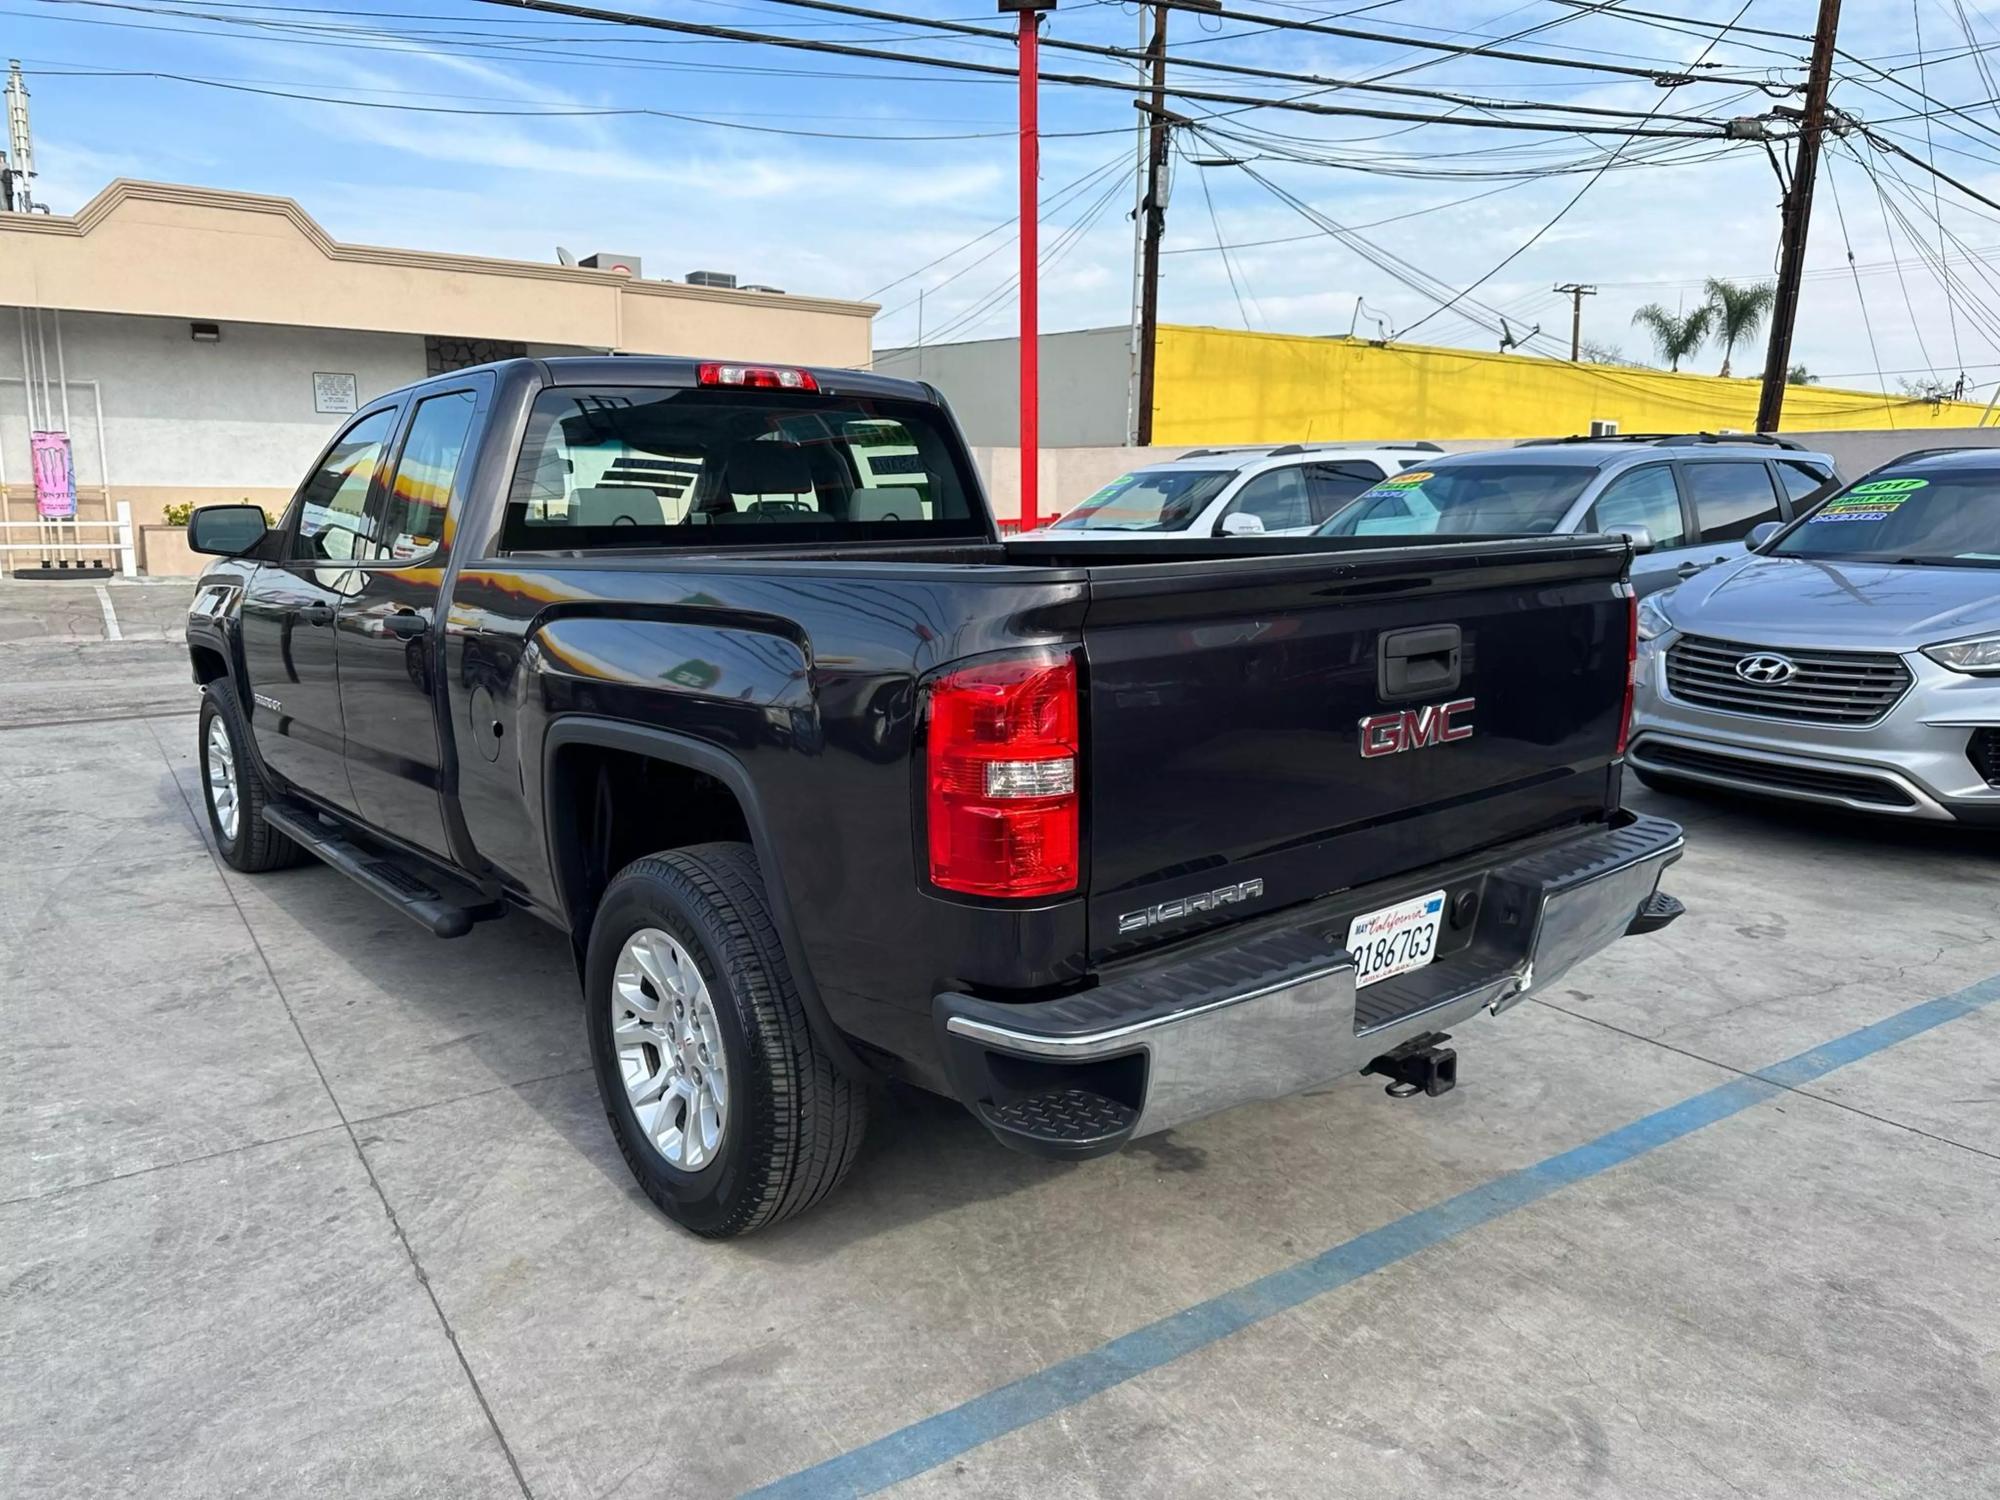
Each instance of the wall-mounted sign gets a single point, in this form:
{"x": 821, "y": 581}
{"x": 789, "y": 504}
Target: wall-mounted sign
{"x": 335, "y": 393}
{"x": 55, "y": 479}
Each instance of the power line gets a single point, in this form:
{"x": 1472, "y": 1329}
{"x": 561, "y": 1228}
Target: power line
{"x": 1655, "y": 75}
{"x": 1561, "y": 213}
{"x": 626, "y": 18}
{"x": 612, "y": 111}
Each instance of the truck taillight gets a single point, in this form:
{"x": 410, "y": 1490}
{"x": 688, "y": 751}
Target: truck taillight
{"x": 756, "y": 377}
{"x": 1000, "y": 777}
{"x": 1631, "y": 665}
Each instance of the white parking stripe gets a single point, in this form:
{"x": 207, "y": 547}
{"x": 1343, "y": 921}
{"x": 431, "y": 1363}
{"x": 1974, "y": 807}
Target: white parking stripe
{"x": 111, "y": 630}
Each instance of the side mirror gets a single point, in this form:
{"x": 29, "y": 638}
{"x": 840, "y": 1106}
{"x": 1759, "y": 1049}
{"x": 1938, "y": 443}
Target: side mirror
{"x": 1640, "y": 538}
{"x": 226, "y": 530}
{"x": 1761, "y": 533}
{"x": 1242, "y": 523}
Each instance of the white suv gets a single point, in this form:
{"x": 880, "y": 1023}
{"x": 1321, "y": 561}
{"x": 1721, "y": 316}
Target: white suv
{"x": 1260, "y": 491}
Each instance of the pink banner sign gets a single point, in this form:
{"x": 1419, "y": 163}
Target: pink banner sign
{"x": 55, "y": 479}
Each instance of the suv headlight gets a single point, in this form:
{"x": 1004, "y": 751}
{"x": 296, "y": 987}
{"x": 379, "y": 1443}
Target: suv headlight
{"x": 1979, "y": 655}
{"x": 1654, "y": 621}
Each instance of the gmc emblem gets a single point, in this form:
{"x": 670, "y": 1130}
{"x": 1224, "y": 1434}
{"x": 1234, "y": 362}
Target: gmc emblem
{"x": 1416, "y": 728}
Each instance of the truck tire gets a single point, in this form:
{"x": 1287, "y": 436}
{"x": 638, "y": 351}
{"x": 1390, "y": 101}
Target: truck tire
{"x": 233, "y": 790}
{"x": 684, "y": 970}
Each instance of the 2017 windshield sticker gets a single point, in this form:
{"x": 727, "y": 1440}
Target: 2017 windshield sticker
{"x": 1398, "y": 484}
{"x": 1874, "y": 501}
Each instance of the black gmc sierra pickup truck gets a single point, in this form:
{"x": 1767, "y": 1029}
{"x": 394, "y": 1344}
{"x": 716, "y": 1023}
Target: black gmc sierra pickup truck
{"x": 725, "y": 671}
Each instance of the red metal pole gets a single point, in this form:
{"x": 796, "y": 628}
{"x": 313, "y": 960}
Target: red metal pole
{"x": 1030, "y": 255}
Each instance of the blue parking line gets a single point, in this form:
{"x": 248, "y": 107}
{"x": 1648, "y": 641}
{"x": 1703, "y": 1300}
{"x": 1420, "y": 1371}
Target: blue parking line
{"x": 934, "y": 1440}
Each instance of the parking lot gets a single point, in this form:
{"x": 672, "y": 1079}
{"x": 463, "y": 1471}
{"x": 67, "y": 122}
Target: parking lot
{"x": 296, "y": 1200}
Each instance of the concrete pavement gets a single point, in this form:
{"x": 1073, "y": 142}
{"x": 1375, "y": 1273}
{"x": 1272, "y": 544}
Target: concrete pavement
{"x": 296, "y": 1200}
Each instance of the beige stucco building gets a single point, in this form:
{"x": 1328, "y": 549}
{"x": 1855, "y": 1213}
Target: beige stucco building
{"x": 99, "y": 336}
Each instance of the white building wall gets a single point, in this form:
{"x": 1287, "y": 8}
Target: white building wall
{"x": 179, "y": 415}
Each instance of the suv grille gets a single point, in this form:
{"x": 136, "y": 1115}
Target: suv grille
{"x": 1832, "y": 687}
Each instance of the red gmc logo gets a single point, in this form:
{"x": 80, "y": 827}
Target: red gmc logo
{"x": 1416, "y": 728}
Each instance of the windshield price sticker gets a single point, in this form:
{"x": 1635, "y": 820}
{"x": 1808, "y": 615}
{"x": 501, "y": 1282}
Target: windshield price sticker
{"x": 1398, "y": 484}
{"x": 1874, "y": 501}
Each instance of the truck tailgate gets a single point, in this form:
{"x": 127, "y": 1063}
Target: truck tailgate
{"x": 1225, "y": 771}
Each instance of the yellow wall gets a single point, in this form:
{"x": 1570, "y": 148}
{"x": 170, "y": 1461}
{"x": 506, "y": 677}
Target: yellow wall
{"x": 1218, "y": 386}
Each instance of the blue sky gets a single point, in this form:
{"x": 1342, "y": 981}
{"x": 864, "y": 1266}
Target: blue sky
{"x": 854, "y": 217}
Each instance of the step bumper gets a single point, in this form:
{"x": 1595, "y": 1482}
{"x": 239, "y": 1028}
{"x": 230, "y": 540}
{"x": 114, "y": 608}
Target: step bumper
{"x": 1279, "y": 1012}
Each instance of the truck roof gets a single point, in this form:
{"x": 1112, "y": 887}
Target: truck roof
{"x": 668, "y": 371}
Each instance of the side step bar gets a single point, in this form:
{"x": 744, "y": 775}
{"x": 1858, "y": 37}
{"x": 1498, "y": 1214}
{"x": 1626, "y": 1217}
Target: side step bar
{"x": 415, "y": 892}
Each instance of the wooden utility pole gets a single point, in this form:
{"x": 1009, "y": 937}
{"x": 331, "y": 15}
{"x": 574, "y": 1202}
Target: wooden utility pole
{"x": 1576, "y": 291}
{"x": 1153, "y": 226}
{"x": 1797, "y": 220}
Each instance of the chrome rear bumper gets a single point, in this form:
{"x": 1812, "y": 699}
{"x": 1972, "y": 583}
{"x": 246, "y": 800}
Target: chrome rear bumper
{"x": 1280, "y": 1012}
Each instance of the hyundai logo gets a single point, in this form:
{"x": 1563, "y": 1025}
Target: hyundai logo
{"x": 1766, "y": 669}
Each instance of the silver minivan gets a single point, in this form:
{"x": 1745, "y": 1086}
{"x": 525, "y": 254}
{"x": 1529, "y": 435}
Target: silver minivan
{"x": 1686, "y": 502}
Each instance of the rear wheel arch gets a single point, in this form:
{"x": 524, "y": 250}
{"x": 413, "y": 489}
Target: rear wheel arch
{"x": 584, "y": 757}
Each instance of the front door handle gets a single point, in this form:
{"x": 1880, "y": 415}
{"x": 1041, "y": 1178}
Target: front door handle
{"x": 407, "y": 624}
{"x": 316, "y": 614}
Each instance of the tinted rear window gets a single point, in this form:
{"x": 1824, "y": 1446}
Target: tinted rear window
{"x": 634, "y": 468}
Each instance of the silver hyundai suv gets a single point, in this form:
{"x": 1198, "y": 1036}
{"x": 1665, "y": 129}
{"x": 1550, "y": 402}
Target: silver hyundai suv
{"x": 1853, "y": 659}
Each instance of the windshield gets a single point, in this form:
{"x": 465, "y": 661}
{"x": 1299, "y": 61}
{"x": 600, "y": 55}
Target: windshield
{"x": 1150, "y": 500}
{"x": 1946, "y": 518}
{"x": 1466, "y": 500}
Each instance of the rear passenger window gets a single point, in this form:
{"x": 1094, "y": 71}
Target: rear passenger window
{"x": 413, "y": 509}
{"x": 1643, "y": 497}
{"x": 1805, "y": 484}
{"x": 1277, "y": 498}
{"x": 1331, "y": 486}
{"x": 1730, "y": 498}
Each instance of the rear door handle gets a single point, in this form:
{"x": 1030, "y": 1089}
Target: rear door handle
{"x": 407, "y": 624}
{"x": 1689, "y": 569}
{"x": 316, "y": 614}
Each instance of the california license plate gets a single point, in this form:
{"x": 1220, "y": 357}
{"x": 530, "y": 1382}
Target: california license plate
{"x": 1395, "y": 939}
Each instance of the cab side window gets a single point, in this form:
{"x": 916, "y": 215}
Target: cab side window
{"x": 414, "y": 503}
{"x": 1730, "y": 498}
{"x": 332, "y": 504}
{"x": 1644, "y": 497}
{"x": 1805, "y": 484}
{"x": 1277, "y": 498}
{"x": 1333, "y": 486}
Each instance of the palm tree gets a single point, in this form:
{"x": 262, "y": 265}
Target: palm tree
{"x": 1675, "y": 337}
{"x": 1738, "y": 311}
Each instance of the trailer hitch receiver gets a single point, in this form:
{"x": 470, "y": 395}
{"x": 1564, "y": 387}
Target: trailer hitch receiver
{"x": 1422, "y": 1065}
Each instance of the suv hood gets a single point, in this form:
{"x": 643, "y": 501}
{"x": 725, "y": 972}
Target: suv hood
{"x": 1791, "y": 601}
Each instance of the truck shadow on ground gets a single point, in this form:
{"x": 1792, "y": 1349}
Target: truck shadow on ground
{"x": 507, "y": 1007}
